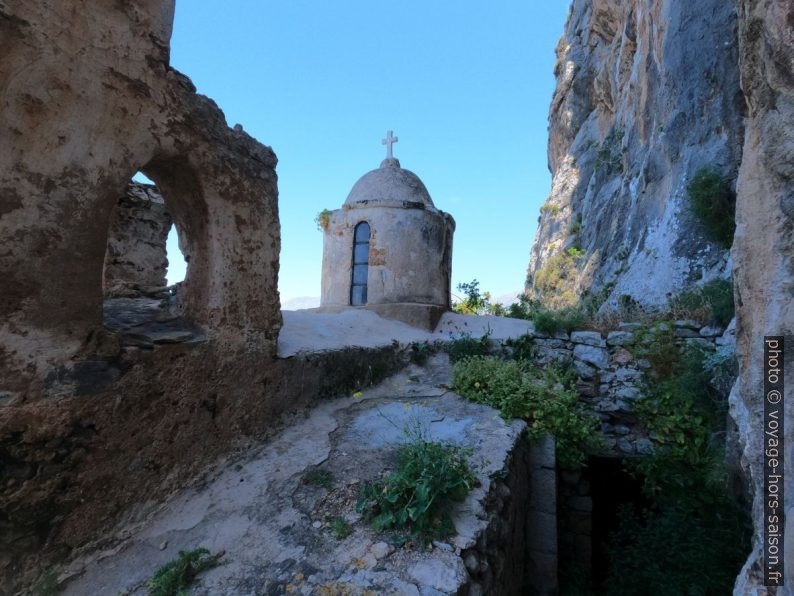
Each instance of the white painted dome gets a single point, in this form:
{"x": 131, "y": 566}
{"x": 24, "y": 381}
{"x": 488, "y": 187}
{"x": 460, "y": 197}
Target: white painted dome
{"x": 389, "y": 182}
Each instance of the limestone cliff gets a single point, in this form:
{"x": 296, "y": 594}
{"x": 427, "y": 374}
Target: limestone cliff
{"x": 763, "y": 252}
{"x": 647, "y": 94}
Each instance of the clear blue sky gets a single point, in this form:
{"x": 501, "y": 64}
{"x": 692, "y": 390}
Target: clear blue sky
{"x": 465, "y": 85}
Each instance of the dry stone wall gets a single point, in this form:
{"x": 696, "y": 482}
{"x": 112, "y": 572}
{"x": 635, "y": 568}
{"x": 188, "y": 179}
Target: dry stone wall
{"x": 612, "y": 375}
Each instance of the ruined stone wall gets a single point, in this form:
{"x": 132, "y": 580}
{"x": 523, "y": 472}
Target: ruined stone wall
{"x": 136, "y": 261}
{"x": 763, "y": 251}
{"x": 88, "y": 422}
{"x": 91, "y": 100}
{"x": 647, "y": 94}
{"x": 612, "y": 376}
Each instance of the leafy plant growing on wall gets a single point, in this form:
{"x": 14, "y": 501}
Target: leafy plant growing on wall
{"x": 416, "y": 497}
{"x": 173, "y": 578}
{"x": 546, "y": 398}
{"x": 322, "y": 219}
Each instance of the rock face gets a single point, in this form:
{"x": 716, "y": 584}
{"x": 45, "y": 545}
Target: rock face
{"x": 136, "y": 258}
{"x": 647, "y": 94}
{"x": 763, "y": 251}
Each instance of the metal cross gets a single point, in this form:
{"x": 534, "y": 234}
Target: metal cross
{"x": 389, "y": 141}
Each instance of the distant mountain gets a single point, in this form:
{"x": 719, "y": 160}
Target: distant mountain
{"x": 506, "y": 299}
{"x": 300, "y": 303}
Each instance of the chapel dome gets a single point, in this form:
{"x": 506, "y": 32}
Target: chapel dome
{"x": 389, "y": 182}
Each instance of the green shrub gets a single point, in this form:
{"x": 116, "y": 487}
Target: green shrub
{"x": 339, "y": 527}
{"x": 319, "y": 477}
{"x": 420, "y": 352}
{"x": 475, "y": 302}
{"x": 173, "y": 578}
{"x": 545, "y": 398}
{"x": 657, "y": 345}
{"x": 416, "y": 497}
{"x": 554, "y": 280}
{"x": 547, "y": 321}
{"x": 466, "y": 346}
{"x": 550, "y": 322}
{"x": 522, "y": 348}
{"x": 714, "y": 204}
{"x": 575, "y": 227}
{"x": 712, "y": 302}
{"x": 609, "y": 157}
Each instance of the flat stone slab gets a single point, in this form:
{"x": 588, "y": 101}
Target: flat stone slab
{"x": 311, "y": 331}
{"x": 146, "y": 322}
{"x": 273, "y": 525}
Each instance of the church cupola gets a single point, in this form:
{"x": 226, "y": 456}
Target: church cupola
{"x": 388, "y": 248}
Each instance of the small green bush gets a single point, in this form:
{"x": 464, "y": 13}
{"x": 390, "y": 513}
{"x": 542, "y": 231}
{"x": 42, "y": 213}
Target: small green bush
{"x": 173, "y": 578}
{"x": 319, "y": 477}
{"x": 714, "y": 204}
{"x": 417, "y": 495}
{"x": 711, "y": 302}
{"x": 657, "y": 345}
{"x": 466, "y": 346}
{"x": 339, "y": 527}
{"x": 545, "y": 398}
{"x": 554, "y": 280}
{"x": 420, "y": 352}
{"x": 550, "y": 322}
{"x": 475, "y": 301}
{"x": 575, "y": 227}
{"x": 523, "y": 348}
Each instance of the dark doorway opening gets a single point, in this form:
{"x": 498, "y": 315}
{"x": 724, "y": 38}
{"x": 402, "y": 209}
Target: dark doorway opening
{"x": 612, "y": 487}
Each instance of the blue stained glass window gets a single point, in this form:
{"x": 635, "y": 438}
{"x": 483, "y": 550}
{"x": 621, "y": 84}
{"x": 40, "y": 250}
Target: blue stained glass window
{"x": 358, "y": 286}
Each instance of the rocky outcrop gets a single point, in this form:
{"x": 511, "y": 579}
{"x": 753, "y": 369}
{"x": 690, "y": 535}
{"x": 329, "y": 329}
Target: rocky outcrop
{"x": 763, "y": 251}
{"x": 647, "y": 94}
{"x": 136, "y": 259}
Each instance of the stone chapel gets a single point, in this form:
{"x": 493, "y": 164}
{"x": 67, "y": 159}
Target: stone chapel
{"x": 389, "y": 249}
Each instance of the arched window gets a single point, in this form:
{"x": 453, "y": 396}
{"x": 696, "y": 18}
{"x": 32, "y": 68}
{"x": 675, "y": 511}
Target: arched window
{"x": 358, "y": 287}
